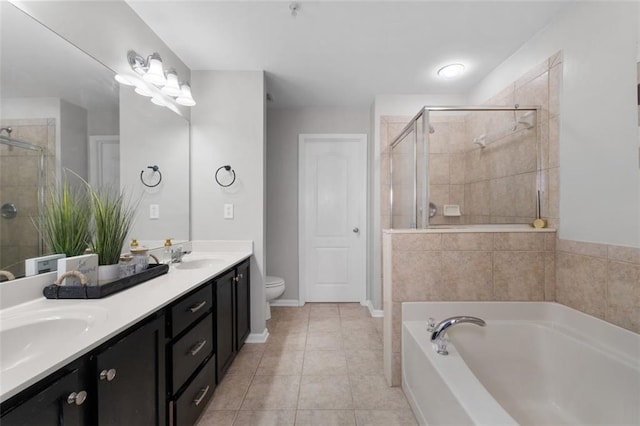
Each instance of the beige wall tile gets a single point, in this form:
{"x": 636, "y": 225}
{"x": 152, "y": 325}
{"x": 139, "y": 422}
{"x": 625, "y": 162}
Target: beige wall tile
{"x": 503, "y": 97}
{"x": 532, "y": 74}
{"x": 535, "y": 92}
{"x": 628, "y": 318}
{"x": 520, "y": 241}
{"x": 467, "y": 241}
{"x": 550, "y": 241}
{"x": 421, "y": 242}
{"x": 457, "y": 169}
{"x": 579, "y": 247}
{"x": 414, "y": 275}
{"x": 554, "y": 142}
{"x": 518, "y": 275}
{"x": 396, "y": 327}
{"x": 581, "y": 283}
{"x": 396, "y": 369}
{"x": 623, "y": 285}
{"x": 555, "y": 59}
{"x": 555, "y": 84}
{"x": 550, "y": 276}
{"x": 469, "y": 273}
{"x": 554, "y": 192}
{"x": 624, "y": 254}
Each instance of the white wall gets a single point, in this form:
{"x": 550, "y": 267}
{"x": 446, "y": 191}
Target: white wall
{"x": 104, "y": 122}
{"x": 228, "y": 127}
{"x": 599, "y": 173}
{"x": 389, "y": 105}
{"x": 151, "y": 135}
{"x": 283, "y": 128}
{"x": 106, "y": 30}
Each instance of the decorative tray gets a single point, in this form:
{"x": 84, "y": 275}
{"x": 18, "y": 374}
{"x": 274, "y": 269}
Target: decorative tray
{"x": 54, "y": 291}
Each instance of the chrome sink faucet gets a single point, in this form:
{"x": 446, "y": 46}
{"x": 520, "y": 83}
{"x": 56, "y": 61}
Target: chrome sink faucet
{"x": 439, "y": 332}
{"x": 177, "y": 254}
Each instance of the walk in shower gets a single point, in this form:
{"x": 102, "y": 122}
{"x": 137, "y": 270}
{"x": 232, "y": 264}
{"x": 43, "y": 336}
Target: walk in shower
{"x": 22, "y": 187}
{"x": 465, "y": 165}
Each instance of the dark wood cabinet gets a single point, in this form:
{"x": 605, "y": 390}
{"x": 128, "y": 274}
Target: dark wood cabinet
{"x": 61, "y": 402}
{"x": 243, "y": 304}
{"x": 161, "y": 370}
{"x": 129, "y": 377}
{"x": 224, "y": 287}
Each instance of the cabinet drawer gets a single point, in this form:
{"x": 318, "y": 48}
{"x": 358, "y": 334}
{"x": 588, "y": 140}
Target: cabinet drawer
{"x": 188, "y": 407}
{"x": 190, "y": 350}
{"x": 190, "y": 309}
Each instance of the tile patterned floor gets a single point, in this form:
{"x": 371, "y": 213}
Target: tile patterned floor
{"x": 322, "y": 365}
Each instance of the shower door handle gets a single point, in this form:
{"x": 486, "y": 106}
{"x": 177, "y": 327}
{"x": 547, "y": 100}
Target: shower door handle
{"x": 356, "y": 230}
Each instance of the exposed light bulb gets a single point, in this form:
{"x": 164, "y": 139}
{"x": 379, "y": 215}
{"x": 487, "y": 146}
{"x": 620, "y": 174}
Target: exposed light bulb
{"x": 142, "y": 89}
{"x": 159, "y": 101}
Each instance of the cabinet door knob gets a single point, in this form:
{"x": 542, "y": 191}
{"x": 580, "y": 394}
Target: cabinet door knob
{"x": 108, "y": 375}
{"x": 197, "y": 347}
{"x": 77, "y": 398}
{"x": 201, "y": 395}
{"x": 236, "y": 279}
{"x": 240, "y": 277}
{"x": 356, "y": 230}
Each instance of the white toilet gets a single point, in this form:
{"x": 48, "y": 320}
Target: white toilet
{"x": 274, "y": 287}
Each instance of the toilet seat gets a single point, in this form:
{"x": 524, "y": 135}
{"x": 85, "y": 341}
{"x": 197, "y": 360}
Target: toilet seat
{"x": 273, "y": 281}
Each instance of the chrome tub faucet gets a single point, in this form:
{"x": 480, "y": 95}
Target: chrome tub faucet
{"x": 439, "y": 331}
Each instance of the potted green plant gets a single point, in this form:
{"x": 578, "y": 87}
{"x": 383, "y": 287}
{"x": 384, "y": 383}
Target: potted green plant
{"x": 65, "y": 223}
{"x": 113, "y": 215}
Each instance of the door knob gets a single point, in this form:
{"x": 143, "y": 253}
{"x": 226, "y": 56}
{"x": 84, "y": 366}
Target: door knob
{"x": 356, "y": 230}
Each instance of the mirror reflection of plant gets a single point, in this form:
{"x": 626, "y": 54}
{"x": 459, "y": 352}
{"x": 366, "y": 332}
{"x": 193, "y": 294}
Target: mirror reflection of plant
{"x": 113, "y": 215}
{"x": 65, "y": 224}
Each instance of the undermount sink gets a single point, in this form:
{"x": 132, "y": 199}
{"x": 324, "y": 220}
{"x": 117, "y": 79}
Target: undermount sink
{"x": 200, "y": 263}
{"x": 33, "y": 334}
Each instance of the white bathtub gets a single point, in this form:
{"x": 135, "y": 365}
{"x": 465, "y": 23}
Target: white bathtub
{"x": 535, "y": 363}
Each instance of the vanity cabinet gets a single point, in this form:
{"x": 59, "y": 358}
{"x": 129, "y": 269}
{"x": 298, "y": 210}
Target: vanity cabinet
{"x": 233, "y": 315}
{"x": 61, "y": 402}
{"x": 129, "y": 378}
{"x": 224, "y": 287}
{"x": 161, "y": 371}
{"x": 191, "y": 376}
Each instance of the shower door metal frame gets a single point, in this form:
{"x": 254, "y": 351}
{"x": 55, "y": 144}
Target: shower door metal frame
{"x": 423, "y": 114}
{"x": 41, "y": 178}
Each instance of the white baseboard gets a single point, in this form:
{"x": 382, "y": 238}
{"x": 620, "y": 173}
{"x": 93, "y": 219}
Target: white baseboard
{"x": 375, "y": 313}
{"x": 258, "y": 337}
{"x": 285, "y": 302}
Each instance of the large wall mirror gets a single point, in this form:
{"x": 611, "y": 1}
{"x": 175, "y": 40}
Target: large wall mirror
{"x": 61, "y": 109}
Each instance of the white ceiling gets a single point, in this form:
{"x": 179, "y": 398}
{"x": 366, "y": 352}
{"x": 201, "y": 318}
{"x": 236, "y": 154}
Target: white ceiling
{"x": 343, "y": 53}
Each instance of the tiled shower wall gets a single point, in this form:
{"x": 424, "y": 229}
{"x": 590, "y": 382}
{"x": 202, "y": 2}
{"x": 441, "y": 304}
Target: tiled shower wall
{"x": 496, "y": 184}
{"x": 598, "y": 279}
{"x": 19, "y": 185}
{"x": 452, "y": 266}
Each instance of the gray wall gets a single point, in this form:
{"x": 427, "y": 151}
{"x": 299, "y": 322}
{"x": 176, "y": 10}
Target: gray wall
{"x": 227, "y": 127}
{"x": 74, "y": 138}
{"x": 283, "y": 127}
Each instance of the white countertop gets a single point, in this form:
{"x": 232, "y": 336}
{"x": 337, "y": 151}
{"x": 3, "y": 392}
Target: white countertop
{"x": 108, "y": 317}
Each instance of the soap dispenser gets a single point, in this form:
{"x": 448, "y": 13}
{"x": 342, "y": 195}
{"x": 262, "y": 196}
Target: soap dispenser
{"x": 167, "y": 253}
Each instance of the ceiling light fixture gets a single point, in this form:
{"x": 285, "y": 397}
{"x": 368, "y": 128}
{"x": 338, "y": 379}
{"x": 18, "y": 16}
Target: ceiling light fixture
{"x": 451, "y": 71}
{"x": 151, "y": 80}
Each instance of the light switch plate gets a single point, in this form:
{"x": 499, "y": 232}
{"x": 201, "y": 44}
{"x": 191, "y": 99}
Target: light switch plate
{"x": 154, "y": 211}
{"x": 228, "y": 211}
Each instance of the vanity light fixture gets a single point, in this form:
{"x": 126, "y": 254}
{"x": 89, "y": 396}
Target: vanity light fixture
{"x": 451, "y": 71}
{"x": 151, "y": 80}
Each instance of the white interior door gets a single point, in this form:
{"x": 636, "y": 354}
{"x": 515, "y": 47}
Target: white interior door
{"x": 104, "y": 161}
{"x": 332, "y": 217}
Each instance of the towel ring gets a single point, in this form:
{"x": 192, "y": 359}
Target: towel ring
{"x": 227, "y": 168}
{"x": 155, "y": 169}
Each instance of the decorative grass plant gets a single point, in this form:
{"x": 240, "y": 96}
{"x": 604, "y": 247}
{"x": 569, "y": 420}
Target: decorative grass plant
{"x": 65, "y": 224}
{"x": 113, "y": 215}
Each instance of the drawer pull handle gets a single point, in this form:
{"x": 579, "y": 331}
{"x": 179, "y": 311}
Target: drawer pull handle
{"x": 200, "y": 397}
{"x": 198, "y": 347}
{"x": 108, "y": 375}
{"x": 197, "y": 306}
{"x": 77, "y": 398}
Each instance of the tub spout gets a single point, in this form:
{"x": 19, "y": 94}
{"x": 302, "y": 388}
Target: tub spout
{"x": 439, "y": 334}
